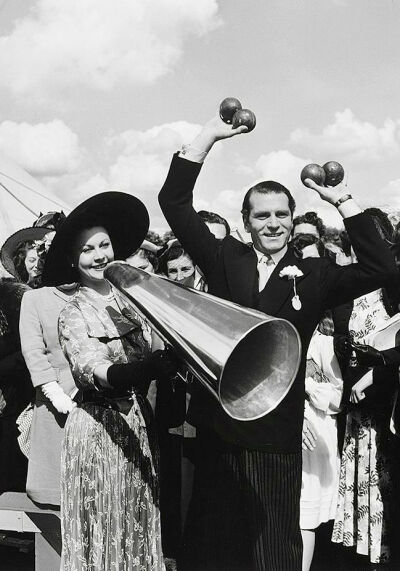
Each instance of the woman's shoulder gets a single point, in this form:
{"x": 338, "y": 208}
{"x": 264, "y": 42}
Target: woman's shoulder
{"x": 80, "y": 304}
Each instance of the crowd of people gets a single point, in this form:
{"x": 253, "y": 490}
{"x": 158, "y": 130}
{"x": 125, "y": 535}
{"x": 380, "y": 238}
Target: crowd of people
{"x": 148, "y": 470}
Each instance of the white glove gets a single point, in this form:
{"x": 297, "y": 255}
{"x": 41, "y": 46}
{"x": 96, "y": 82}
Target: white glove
{"x": 60, "y": 400}
{"x": 2, "y": 402}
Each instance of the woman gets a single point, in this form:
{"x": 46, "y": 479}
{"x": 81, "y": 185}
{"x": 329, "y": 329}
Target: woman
{"x": 19, "y": 254}
{"x": 323, "y": 385}
{"x": 145, "y": 257}
{"x": 109, "y": 482}
{"x": 19, "y": 258}
{"x": 54, "y": 388}
{"x": 15, "y": 387}
{"x": 365, "y": 500}
{"x": 23, "y": 255}
{"x": 177, "y": 265}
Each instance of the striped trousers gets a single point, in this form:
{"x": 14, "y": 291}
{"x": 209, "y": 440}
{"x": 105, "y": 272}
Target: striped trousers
{"x": 244, "y": 512}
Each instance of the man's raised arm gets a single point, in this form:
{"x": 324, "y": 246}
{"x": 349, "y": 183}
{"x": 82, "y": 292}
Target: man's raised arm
{"x": 176, "y": 195}
{"x": 376, "y": 265}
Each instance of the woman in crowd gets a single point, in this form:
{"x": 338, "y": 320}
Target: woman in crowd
{"x": 15, "y": 387}
{"x": 20, "y": 256}
{"x": 320, "y": 475}
{"x": 109, "y": 481}
{"x": 365, "y": 501}
{"x": 145, "y": 257}
{"x": 51, "y": 377}
{"x": 177, "y": 265}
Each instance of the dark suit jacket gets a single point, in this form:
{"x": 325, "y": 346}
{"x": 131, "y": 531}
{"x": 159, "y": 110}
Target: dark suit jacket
{"x": 230, "y": 268}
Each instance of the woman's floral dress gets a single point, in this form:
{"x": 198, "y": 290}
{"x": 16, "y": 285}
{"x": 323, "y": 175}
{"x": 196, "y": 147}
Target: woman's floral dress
{"x": 365, "y": 485}
{"x": 109, "y": 483}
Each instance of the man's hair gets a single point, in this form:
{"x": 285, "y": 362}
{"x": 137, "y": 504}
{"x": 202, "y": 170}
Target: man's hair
{"x": 301, "y": 241}
{"x": 174, "y": 252}
{"x": 214, "y": 218}
{"x": 382, "y": 222}
{"x": 313, "y": 219}
{"x": 345, "y": 242}
{"x": 147, "y": 255}
{"x": 266, "y": 187}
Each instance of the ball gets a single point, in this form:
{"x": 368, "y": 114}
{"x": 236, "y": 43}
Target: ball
{"x": 314, "y": 172}
{"x": 228, "y": 108}
{"x": 244, "y": 117}
{"x": 334, "y": 173}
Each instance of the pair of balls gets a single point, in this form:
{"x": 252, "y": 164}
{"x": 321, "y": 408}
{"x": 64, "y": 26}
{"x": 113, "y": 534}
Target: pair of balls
{"x": 330, "y": 174}
{"x": 231, "y": 112}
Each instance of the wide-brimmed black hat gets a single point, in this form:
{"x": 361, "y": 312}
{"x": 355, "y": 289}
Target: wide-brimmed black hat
{"x": 124, "y": 217}
{"x": 10, "y": 246}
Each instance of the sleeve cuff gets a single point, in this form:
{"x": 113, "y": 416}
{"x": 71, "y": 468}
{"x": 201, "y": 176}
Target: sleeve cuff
{"x": 192, "y": 154}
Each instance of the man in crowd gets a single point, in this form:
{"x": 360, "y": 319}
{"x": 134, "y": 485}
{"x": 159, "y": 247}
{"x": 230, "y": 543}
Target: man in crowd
{"x": 220, "y": 228}
{"x": 309, "y": 223}
{"x": 244, "y": 512}
{"x": 216, "y": 223}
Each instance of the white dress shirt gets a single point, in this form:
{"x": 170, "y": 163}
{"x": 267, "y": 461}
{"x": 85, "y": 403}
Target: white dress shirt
{"x": 266, "y": 265}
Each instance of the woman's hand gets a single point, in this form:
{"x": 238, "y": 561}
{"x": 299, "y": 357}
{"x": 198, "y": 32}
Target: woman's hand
{"x": 368, "y": 356}
{"x": 160, "y": 365}
{"x": 357, "y": 392}
{"x": 164, "y": 364}
{"x": 59, "y": 399}
{"x": 309, "y": 435}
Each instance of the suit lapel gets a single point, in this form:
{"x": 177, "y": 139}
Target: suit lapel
{"x": 278, "y": 290}
{"x": 242, "y": 277}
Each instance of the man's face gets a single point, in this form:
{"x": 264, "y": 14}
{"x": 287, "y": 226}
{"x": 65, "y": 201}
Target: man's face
{"x": 218, "y": 230}
{"x": 306, "y": 228}
{"x": 269, "y": 221}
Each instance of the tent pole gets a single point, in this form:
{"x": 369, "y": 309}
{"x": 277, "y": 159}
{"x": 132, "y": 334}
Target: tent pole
{"x": 18, "y": 200}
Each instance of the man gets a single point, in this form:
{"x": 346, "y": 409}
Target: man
{"x": 216, "y": 223}
{"x": 244, "y": 513}
{"x": 309, "y": 223}
{"x": 220, "y": 228}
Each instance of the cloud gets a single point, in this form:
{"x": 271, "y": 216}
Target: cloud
{"x": 351, "y": 137}
{"x": 390, "y": 193}
{"x": 281, "y": 166}
{"x": 284, "y": 167}
{"x": 144, "y": 156}
{"x": 44, "y": 149}
{"x": 98, "y": 43}
{"x": 157, "y": 140}
{"x": 132, "y": 161}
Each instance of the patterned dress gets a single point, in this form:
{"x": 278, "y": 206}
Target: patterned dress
{"x": 365, "y": 487}
{"x": 109, "y": 482}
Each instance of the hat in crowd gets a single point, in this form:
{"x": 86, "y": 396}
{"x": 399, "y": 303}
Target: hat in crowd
{"x": 10, "y": 246}
{"x": 50, "y": 220}
{"x": 124, "y": 217}
{"x": 150, "y": 247}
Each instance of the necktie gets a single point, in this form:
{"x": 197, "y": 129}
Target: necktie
{"x": 265, "y": 268}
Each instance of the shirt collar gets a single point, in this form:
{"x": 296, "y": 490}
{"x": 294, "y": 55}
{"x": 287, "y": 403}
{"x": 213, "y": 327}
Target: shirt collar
{"x": 276, "y": 258}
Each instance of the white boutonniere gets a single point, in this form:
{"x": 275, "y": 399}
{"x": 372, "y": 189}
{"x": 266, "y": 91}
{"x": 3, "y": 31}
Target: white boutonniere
{"x": 291, "y": 273}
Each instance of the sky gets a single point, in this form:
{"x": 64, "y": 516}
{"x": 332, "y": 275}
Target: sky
{"x": 97, "y": 95}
